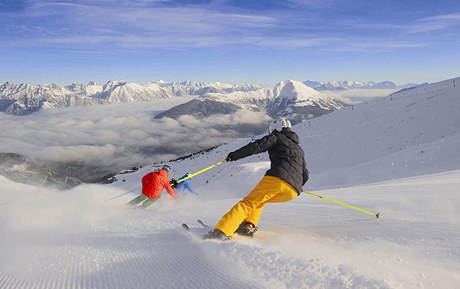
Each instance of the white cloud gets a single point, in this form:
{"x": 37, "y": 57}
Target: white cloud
{"x": 190, "y": 121}
{"x": 73, "y": 153}
{"x": 238, "y": 118}
{"x": 144, "y": 25}
{"x": 292, "y": 42}
{"x": 433, "y": 23}
{"x": 134, "y": 25}
{"x": 313, "y": 3}
{"x": 119, "y": 137}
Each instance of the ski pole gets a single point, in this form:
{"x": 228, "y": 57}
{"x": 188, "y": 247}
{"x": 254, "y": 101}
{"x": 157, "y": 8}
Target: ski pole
{"x": 189, "y": 176}
{"x": 121, "y": 195}
{"x": 377, "y": 215}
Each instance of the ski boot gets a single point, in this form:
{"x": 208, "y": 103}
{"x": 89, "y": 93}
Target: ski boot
{"x": 217, "y": 235}
{"x": 246, "y": 229}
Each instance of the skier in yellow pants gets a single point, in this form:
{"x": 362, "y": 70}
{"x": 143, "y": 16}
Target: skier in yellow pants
{"x": 281, "y": 183}
{"x": 268, "y": 190}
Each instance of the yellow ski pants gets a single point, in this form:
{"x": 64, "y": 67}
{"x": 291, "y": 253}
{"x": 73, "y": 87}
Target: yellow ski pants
{"x": 268, "y": 190}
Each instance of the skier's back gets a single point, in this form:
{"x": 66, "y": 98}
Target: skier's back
{"x": 153, "y": 184}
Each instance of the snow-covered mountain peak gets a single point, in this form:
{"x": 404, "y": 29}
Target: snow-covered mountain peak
{"x": 289, "y": 98}
{"x": 92, "y": 82}
{"x": 292, "y": 89}
{"x": 113, "y": 84}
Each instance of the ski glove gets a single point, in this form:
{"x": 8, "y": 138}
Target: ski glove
{"x": 173, "y": 183}
{"x": 230, "y": 157}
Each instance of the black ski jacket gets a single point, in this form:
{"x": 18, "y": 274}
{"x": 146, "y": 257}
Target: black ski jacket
{"x": 286, "y": 156}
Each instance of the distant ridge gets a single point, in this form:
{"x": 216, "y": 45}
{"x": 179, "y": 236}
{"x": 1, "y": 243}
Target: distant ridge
{"x": 340, "y": 85}
{"x": 289, "y": 98}
{"x": 23, "y": 99}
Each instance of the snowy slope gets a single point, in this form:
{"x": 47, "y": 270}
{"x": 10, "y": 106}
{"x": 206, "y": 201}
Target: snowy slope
{"x": 76, "y": 240}
{"x": 405, "y": 134}
{"x": 84, "y": 238}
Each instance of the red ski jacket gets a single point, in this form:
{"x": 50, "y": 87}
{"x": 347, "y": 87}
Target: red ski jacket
{"x": 153, "y": 183}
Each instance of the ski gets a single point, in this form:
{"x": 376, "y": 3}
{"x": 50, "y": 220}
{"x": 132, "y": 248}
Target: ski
{"x": 186, "y": 227}
{"x": 199, "y": 230}
{"x": 203, "y": 224}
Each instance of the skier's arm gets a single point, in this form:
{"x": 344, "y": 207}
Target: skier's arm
{"x": 169, "y": 189}
{"x": 258, "y": 146}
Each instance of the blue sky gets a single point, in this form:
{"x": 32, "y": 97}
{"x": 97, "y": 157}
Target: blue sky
{"x": 236, "y": 41}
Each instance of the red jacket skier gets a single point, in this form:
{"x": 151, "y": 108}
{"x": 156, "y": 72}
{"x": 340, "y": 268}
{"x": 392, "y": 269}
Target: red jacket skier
{"x": 153, "y": 184}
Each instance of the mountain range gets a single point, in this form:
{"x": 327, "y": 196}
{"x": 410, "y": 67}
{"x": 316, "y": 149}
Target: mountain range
{"x": 289, "y": 98}
{"x": 24, "y": 99}
{"x": 337, "y": 85}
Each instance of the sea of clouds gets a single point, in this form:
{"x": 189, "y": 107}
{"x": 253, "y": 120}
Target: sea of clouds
{"x": 120, "y": 136}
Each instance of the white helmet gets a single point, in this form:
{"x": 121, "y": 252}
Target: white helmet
{"x": 166, "y": 168}
{"x": 279, "y": 124}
